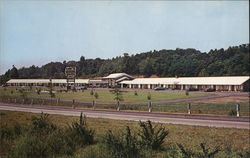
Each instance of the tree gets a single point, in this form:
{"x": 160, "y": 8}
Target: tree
{"x": 180, "y": 62}
{"x": 51, "y": 93}
{"x": 14, "y": 72}
{"x": 96, "y": 95}
{"x": 146, "y": 67}
{"x": 117, "y": 96}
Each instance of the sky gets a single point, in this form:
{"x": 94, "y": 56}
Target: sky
{"x": 36, "y": 32}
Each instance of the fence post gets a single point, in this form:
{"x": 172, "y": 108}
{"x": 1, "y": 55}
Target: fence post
{"x": 150, "y": 106}
{"x": 238, "y": 110}
{"x": 31, "y": 102}
{"x": 57, "y": 101}
{"x": 189, "y": 108}
{"x": 93, "y": 104}
{"x": 73, "y": 103}
{"x": 23, "y": 101}
{"x": 118, "y": 106}
{"x": 15, "y": 100}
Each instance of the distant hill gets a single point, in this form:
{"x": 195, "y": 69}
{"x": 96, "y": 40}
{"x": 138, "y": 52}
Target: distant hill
{"x": 179, "y": 62}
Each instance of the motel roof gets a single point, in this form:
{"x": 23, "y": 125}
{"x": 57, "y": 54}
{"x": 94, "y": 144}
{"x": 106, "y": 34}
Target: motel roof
{"x": 117, "y": 75}
{"x": 45, "y": 81}
{"x": 225, "y": 80}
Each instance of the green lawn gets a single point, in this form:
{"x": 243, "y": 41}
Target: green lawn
{"x": 107, "y": 96}
{"x": 219, "y": 108}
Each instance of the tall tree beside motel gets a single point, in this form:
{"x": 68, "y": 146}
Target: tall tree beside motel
{"x": 233, "y": 61}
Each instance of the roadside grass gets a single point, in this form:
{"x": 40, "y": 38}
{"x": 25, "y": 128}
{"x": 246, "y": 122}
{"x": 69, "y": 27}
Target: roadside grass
{"x": 106, "y": 96}
{"x": 204, "y": 108}
{"x": 188, "y": 136}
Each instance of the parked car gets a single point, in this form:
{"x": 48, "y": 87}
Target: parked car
{"x": 193, "y": 89}
{"x": 209, "y": 90}
{"x": 159, "y": 88}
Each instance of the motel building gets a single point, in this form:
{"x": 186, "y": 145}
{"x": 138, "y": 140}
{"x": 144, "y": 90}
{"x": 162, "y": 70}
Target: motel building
{"x": 225, "y": 83}
{"x": 45, "y": 82}
{"x": 115, "y": 78}
{"x": 222, "y": 83}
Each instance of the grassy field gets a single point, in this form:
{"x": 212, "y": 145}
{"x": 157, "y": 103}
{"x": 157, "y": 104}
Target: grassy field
{"x": 107, "y": 96}
{"x": 189, "y": 136}
{"x": 219, "y": 106}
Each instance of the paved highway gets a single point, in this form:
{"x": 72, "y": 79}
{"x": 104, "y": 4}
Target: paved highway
{"x": 173, "y": 118}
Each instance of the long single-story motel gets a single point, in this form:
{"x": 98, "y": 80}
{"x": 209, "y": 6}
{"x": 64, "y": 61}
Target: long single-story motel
{"x": 223, "y": 83}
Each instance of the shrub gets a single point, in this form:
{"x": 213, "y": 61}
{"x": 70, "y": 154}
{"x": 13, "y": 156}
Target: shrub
{"x": 244, "y": 154}
{"x": 122, "y": 146}
{"x": 232, "y": 113}
{"x": 151, "y": 137}
{"x": 206, "y": 152}
{"x": 149, "y": 96}
{"x": 93, "y": 151}
{"x": 91, "y": 92}
{"x": 173, "y": 151}
{"x": 23, "y": 94}
{"x": 135, "y": 93}
{"x": 57, "y": 144}
{"x": 29, "y": 146}
{"x": 52, "y": 95}
{"x": 42, "y": 125}
{"x": 79, "y": 133}
{"x": 8, "y": 134}
{"x": 186, "y": 153}
{"x": 38, "y": 91}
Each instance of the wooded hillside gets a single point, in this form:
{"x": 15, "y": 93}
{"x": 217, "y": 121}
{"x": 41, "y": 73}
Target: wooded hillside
{"x": 163, "y": 63}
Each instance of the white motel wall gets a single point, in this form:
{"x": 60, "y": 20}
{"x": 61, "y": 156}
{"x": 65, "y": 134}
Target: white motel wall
{"x": 225, "y": 83}
{"x": 44, "y": 82}
{"x": 228, "y": 83}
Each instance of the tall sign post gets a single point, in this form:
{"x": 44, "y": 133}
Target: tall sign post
{"x": 70, "y": 73}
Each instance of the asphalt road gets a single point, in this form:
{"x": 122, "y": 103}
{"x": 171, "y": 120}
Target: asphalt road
{"x": 173, "y": 118}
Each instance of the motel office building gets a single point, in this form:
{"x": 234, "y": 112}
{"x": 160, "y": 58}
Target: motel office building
{"x": 225, "y": 83}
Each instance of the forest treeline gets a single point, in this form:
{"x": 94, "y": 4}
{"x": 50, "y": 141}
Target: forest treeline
{"x": 163, "y": 63}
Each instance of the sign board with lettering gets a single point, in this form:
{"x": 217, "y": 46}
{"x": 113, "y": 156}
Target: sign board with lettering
{"x": 70, "y": 73}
